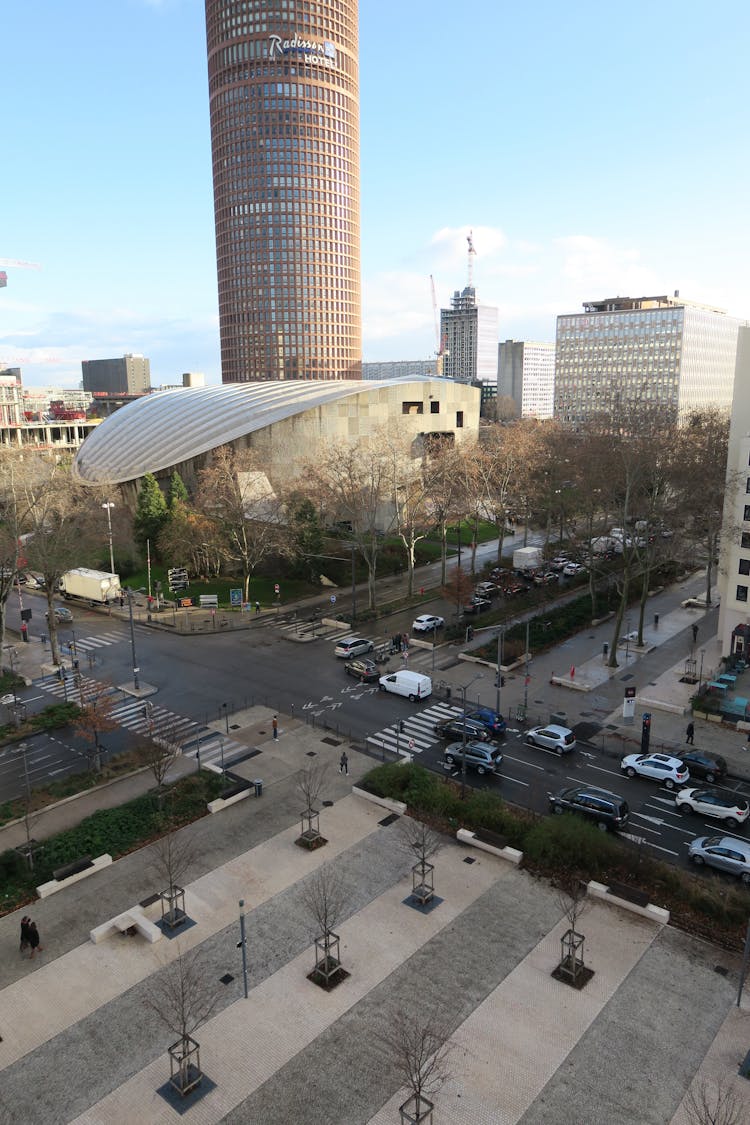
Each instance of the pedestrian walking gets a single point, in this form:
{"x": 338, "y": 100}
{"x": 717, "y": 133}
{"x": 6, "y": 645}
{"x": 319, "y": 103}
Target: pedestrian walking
{"x": 34, "y": 940}
{"x": 344, "y": 763}
{"x": 275, "y": 725}
{"x": 690, "y": 733}
{"x": 25, "y": 939}
{"x": 257, "y": 606}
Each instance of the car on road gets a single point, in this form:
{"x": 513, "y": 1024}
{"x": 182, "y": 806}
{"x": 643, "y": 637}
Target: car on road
{"x": 454, "y": 728}
{"x": 477, "y": 605}
{"x": 552, "y": 737}
{"x": 559, "y": 562}
{"x": 725, "y": 806}
{"x": 479, "y": 756}
{"x": 486, "y": 590}
{"x": 492, "y": 720}
{"x": 661, "y": 767}
{"x": 573, "y": 569}
{"x": 723, "y": 852}
{"x": 426, "y": 622}
{"x": 545, "y": 578}
{"x": 62, "y": 615}
{"x": 513, "y": 589}
{"x": 608, "y": 810}
{"x": 366, "y": 671}
{"x": 709, "y": 767}
{"x": 353, "y": 646}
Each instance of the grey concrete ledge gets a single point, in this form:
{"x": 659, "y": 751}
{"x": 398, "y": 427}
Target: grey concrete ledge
{"x": 221, "y": 803}
{"x": 572, "y": 684}
{"x": 384, "y": 802}
{"x": 512, "y": 855}
{"x": 55, "y": 885}
{"x": 656, "y": 914}
{"x": 662, "y": 705}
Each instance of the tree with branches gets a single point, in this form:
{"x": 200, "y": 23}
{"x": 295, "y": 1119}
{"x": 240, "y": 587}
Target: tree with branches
{"x": 172, "y": 855}
{"x": 183, "y": 997}
{"x": 422, "y": 844}
{"x": 457, "y": 589}
{"x": 310, "y": 782}
{"x": 443, "y": 485}
{"x": 416, "y": 1044}
{"x": 324, "y": 896}
{"x": 94, "y": 719}
{"x": 714, "y": 1103}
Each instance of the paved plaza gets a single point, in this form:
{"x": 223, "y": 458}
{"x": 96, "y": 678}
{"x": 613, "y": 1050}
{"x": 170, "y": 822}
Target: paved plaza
{"x": 81, "y": 1044}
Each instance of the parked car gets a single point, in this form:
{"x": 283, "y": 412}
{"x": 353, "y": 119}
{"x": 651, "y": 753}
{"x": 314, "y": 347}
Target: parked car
{"x": 426, "y": 622}
{"x": 62, "y": 614}
{"x": 712, "y": 802}
{"x": 709, "y": 767}
{"x": 486, "y": 590}
{"x": 366, "y": 671}
{"x": 606, "y": 809}
{"x": 513, "y": 589}
{"x": 559, "y": 562}
{"x": 353, "y": 646}
{"x": 454, "y": 728}
{"x": 661, "y": 767}
{"x": 545, "y": 578}
{"x": 552, "y": 737}
{"x": 573, "y": 569}
{"x": 499, "y": 574}
{"x": 492, "y": 720}
{"x": 477, "y": 605}
{"x": 479, "y": 755}
{"x": 724, "y": 852}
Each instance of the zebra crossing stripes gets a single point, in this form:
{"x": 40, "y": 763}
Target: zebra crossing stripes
{"x": 418, "y": 732}
{"x": 142, "y": 717}
{"x": 76, "y": 687}
{"x": 101, "y": 640}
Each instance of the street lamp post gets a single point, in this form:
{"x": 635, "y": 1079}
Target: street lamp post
{"x": 136, "y": 682}
{"x": 22, "y": 749}
{"x": 464, "y": 690}
{"x": 499, "y": 669}
{"x": 354, "y": 586}
{"x": 109, "y": 506}
{"x": 243, "y": 943}
{"x": 221, "y": 748}
{"x": 225, "y": 709}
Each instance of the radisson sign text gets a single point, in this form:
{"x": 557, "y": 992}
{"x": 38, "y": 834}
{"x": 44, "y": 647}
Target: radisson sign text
{"x": 320, "y": 54}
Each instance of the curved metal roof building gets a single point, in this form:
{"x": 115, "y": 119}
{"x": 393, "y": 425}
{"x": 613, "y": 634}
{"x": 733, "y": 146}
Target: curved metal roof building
{"x": 169, "y": 428}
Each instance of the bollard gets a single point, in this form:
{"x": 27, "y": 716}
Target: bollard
{"x": 656, "y": 621}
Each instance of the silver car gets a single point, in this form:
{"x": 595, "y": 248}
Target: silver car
{"x": 723, "y": 852}
{"x": 353, "y": 646}
{"x": 552, "y": 737}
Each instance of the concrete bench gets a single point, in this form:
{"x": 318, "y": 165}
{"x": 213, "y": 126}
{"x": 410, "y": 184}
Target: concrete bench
{"x": 128, "y": 920}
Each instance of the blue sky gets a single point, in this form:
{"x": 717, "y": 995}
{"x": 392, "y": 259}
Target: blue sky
{"x": 593, "y": 149}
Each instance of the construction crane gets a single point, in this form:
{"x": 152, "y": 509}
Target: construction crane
{"x": 439, "y": 340}
{"x": 471, "y": 255}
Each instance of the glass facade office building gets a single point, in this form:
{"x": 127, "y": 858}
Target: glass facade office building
{"x": 627, "y": 352}
{"x": 284, "y": 98}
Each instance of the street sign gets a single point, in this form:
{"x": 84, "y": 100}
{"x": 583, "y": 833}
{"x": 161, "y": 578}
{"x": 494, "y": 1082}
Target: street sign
{"x": 411, "y": 743}
{"x": 333, "y": 599}
{"x": 277, "y": 589}
{"x": 235, "y": 597}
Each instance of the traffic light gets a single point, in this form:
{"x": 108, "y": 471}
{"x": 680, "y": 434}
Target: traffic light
{"x": 645, "y": 732}
{"x": 401, "y": 726}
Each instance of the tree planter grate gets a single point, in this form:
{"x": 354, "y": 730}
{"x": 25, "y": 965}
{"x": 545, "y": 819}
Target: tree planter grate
{"x": 391, "y": 819}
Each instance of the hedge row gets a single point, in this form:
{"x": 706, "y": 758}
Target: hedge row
{"x": 565, "y": 845}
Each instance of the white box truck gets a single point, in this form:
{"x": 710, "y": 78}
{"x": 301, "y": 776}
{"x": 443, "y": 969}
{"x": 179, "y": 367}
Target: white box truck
{"x": 93, "y": 585}
{"x": 527, "y": 558}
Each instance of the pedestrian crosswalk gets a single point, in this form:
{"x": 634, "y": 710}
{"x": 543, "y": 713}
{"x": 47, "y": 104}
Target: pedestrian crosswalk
{"x": 416, "y": 658}
{"x": 149, "y": 719}
{"x": 418, "y": 733}
{"x": 101, "y": 640}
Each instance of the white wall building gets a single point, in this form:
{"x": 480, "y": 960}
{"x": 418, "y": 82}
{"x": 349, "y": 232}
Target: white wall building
{"x": 734, "y": 563}
{"x": 526, "y": 373}
{"x": 469, "y": 334}
{"x": 633, "y": 351}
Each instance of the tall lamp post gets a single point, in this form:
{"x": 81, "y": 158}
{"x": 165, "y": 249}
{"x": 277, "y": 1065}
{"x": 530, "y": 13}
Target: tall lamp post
{"x": 463, "y": 751}
{"x": 109, "y": 506}
{"x": 499, "y": 684}
{"x": 23, "y": 749}
{"x": 136, "y": 669}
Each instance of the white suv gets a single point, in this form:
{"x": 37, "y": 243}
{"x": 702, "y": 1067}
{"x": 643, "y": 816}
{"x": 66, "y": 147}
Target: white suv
{"x": 353, "y": 646}
{"x": 661, "y": 767}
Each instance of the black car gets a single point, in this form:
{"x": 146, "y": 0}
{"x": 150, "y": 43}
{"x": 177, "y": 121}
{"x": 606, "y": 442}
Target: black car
{"x": 365, "y": 671}
{"x": 711, "y": 767}
{"x": 607, "y": 810}
{"x": 454, "y": 728}
{"x": 477, "y": 605}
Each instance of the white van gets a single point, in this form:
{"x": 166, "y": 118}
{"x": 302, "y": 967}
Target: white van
{"x": 411, "y": 684}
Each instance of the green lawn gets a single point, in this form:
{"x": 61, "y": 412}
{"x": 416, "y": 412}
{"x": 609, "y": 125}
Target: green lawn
{"x": 261, "y": 588}
{"x": 485, "y": 532}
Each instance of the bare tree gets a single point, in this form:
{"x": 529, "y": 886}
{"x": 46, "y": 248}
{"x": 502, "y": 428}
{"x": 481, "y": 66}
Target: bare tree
{"x": 572, "y": 900}
{"x": 457, "y": 589}
{"x": 714, "y": 1103}
{"x": 412, "y": 505}
{"x": 172, "y": 855}
{"x": 422, "y": 844}
{"x": 183, "y": 998}
{"x": 417, "y": 1045}
{"x": 442, "y": 479}
{"x": 324, "y": 896}
{"x": 94, "y": 719}
{"x": 309, "y": 785}
{"x": 160, "y": 753}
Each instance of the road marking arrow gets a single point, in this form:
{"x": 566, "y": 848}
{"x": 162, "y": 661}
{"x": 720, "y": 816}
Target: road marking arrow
{"x": 650, "y": 819}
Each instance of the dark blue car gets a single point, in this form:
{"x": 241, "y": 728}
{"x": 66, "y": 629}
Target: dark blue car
{"x": 490, "y": 720}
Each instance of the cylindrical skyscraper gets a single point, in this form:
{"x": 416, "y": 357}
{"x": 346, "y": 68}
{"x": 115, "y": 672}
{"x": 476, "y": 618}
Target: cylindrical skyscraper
{"x": 284, "y": 91}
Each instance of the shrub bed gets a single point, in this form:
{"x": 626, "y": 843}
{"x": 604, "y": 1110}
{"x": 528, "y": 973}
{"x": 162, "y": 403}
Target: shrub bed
{"x": 56, "y": 715}
{"x": 557, "y": 845}
{"x": 114, "y": 831}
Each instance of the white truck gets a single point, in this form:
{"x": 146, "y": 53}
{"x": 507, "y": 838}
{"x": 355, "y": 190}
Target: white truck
{"x": 93, "y": 585}
{"x": 527, "y": 558}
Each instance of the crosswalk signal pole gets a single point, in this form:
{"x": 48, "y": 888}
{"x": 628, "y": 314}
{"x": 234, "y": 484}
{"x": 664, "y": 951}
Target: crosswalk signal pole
{"x": 136, "y": 683}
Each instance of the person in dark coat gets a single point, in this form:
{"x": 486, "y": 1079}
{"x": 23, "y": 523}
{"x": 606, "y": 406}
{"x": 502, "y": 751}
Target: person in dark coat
{"x": 34, "y": 940}
{"x": 344, "y": 763}
{"x": 25, "y": 940}
{"x": 690, "y": 734}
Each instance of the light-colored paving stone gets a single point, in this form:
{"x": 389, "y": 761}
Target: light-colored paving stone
{"x": 64, "y": 991}
{"x": 719, "y": 1072}
{"x": 515, "y": 1041}
{"x": 251, "y": 1040}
